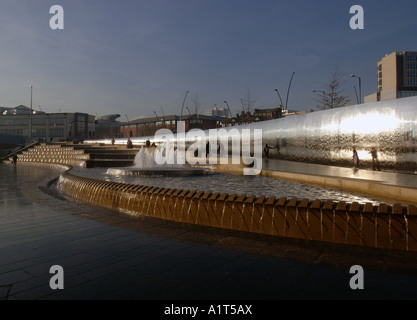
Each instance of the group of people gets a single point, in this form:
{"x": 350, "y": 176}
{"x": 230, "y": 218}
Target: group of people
{"x": 374, "y": 155}
{"x": 355, "y": 156}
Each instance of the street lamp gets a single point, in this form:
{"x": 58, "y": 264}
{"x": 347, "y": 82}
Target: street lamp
{"x": 189, "y": 113}
{"x": 360, "y": 87}
{"x": 30, "y": 116}
{"x": 356, "y": 93}
{"x": 282, "y": 104}
{"x": 228, "y": 108}
{"x": 182, "y": 108}
{"x": 286, "y": 101}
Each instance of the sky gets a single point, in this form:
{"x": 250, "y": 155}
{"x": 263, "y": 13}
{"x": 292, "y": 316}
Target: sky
{"x": 140, "y": 58}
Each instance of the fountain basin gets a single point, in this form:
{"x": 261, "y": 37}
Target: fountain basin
{"x": 174, "y": 171}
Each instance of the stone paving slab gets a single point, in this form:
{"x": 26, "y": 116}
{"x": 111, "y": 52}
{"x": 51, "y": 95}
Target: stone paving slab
{"x": 382, "y": 177}
{"x": 106, "y": 255}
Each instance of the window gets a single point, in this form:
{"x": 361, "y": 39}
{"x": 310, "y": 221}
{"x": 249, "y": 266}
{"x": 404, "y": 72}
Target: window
{"x": 56, "y": 132}
{"x": 38, "y": 121}
{"x": 14, "y": 122}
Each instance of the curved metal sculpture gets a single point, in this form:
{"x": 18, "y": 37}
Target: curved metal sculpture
{"x": 385, "y": 129}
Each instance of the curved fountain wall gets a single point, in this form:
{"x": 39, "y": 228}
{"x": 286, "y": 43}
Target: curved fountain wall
{"x": 381, "y": 226}
{"x": 328, "y": 136}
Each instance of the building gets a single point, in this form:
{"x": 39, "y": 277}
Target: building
{"x": 217, "y": 112}
{"x": 397, "y": 77}
{"x": 20, "y": 110}
{"x": 256, "y": 116}
{"x": 107, "y": 126}
{"x": 144, "y": 127}
{"x": 47, "y": 126}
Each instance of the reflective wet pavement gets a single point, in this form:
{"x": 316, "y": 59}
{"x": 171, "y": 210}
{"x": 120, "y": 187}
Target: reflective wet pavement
{"x": 382, "y": 177}
{"x": 106, "y": 255}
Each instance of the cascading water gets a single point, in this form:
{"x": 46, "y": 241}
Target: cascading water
{"x": 156, "y": 163}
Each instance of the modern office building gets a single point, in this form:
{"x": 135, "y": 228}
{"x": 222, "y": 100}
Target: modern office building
{"x": 42, "y": 126}
{"x": 397, "y": 76}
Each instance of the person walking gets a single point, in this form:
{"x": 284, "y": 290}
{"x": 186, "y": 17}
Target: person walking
{"x": 355, "y": 158}
{"x": 375, "y": 162}
{"x": 266, "y": 150}
{"x": 14, "y": 159}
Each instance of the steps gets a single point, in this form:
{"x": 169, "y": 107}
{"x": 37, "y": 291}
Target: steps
{"x": 79, "y": 155}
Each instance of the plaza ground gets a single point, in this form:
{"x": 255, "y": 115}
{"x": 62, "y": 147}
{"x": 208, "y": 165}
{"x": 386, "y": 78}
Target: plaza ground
{"x": 109, "y": 255}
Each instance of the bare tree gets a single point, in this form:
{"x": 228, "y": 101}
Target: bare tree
{"x": 332, "y": 96}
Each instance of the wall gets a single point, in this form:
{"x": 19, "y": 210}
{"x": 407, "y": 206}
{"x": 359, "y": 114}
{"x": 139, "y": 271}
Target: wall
{"x": 382, "y": 226}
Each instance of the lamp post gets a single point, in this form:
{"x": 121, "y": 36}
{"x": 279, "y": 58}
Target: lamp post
{"x": 356, "y": 93}
{"x": 228, "y": 108}
{"x": 30, "y": 116}
{"x": 189, "y": 113}
{"x": 288, "y": 91}
{"x": 282, "y": 104}
{"x": 182, "y": 108}
{"x": 360, "y": 87}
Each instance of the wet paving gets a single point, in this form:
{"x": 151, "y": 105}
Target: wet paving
{"x": 382, "y": 177}
{"x": 107, "y": 255}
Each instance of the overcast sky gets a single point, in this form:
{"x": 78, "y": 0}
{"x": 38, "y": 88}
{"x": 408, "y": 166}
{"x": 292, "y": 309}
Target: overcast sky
{"x": 138, "y": 57}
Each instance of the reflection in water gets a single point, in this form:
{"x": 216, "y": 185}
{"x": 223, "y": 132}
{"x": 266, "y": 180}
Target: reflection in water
{"x": 232, "y": 184}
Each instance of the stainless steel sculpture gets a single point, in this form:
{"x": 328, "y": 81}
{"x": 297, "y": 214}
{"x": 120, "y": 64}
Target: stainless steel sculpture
{"x": 329, "y": 136}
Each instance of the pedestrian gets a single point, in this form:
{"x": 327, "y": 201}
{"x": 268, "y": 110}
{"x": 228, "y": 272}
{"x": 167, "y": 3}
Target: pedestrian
{"x": 14, "y": 159}
{"x": 375, "y": 162}
{"x": 355, "y": 158}
{"x": 266, "y": 150}
{"x": 129, "y": 143}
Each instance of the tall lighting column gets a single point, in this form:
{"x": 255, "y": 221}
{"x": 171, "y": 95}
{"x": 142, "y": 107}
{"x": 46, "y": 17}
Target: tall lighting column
{"x": 230, "y": 114}
{"x": 30, "y": 116}
{"x": 288, "y": 92}
{"x": 360, "y": 87}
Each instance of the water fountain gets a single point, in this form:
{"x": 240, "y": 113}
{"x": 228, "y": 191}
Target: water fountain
{"x": 326, "y": 136}
{"x": 147, "y": 162}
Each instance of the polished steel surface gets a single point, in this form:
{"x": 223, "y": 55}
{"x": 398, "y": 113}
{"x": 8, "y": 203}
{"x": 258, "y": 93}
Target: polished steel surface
{"x": 329, "y": 136}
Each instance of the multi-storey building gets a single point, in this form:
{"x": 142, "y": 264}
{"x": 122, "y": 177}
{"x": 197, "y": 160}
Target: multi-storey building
{"x": 41, "y": 126}
{"x": 397, "y": 76}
